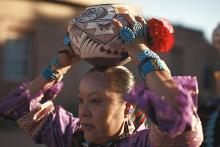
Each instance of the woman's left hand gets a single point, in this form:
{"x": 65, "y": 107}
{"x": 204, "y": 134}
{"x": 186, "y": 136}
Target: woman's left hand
{"x": 138, "y": 45}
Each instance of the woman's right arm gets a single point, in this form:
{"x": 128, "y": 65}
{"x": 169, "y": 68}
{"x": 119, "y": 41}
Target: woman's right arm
{"x": 32, "y": 107}
{"x": 40, "y": 82}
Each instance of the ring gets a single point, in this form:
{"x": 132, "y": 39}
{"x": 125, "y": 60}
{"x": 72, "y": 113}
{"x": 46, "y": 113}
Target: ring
{"x": 66, "y": 40}
{"x": 137, "y": 29}
{"x": 127, "y": 35}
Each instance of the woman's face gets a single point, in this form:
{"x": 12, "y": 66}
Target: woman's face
{"x": 101, "y": 112}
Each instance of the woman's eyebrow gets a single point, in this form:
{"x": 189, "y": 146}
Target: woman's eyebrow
{"x": 96, "y": 93}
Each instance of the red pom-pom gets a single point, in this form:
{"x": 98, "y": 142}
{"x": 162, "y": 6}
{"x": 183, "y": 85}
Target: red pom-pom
{"x": 160, "y": 35}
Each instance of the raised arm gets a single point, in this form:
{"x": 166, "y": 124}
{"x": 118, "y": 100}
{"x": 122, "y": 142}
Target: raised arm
{"x": 64, "y": 63}
{"x": 32, "y": 107}
{"x": 169, "y": 102}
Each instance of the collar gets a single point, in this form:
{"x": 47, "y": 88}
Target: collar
{"x": 89, "y": 144}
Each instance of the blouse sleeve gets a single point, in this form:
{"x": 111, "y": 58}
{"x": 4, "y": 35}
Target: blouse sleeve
{"x": 37, "y": 115}
{"x": 171, "y": 127}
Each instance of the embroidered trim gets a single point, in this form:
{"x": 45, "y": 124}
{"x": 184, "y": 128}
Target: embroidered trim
{"x": 33, "y": 121}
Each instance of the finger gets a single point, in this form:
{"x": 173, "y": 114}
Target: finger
{"x": 130, "y": 18}
{"x": 118, "y": 25}
{"x": 140, "y": 19}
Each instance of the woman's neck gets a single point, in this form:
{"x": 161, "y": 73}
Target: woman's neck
{"x": 115, "y": 137}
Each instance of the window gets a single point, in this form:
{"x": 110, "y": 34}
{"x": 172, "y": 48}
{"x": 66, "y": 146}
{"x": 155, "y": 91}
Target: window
{"x": 16, "y": 58}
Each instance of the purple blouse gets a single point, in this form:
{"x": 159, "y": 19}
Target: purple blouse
{"x": 55, "y": 127}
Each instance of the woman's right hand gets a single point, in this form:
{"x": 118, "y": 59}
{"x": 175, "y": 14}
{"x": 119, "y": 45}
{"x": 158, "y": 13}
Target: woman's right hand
{"x": 67, "y": 59}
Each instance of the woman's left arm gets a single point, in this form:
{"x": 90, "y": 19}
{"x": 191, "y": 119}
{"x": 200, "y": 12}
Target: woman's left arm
{"x": 171, "y": 104}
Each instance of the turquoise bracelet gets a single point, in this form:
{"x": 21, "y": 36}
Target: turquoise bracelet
{"x": 50, "y": 73}
{"x": 147, "y": 54}
{"x": 137, "y": 29}
{"x": 151, "y": 65}
{"x": 66, "y": 40}
{"x": 149, "y": 61}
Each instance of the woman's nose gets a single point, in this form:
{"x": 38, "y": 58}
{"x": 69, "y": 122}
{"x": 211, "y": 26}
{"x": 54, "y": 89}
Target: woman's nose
{"x": 84, "y": 110}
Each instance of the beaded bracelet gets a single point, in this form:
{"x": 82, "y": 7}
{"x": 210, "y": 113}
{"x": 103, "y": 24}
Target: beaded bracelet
{"x": 147, "y": 54}
{"x": 137, "y": 29}
{"x": 149, "y": 61}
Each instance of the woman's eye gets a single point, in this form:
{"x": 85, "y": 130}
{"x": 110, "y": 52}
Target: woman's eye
{"x": 96, "y": 101}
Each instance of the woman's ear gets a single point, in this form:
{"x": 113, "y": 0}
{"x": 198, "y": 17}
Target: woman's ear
{"x": 128, "y": 108}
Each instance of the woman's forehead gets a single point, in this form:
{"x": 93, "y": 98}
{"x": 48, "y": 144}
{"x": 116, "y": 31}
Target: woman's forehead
{"x": 93, "y": 84}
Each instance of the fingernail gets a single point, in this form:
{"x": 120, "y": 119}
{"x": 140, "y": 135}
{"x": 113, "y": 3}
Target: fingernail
{"x": 115, "y": 20}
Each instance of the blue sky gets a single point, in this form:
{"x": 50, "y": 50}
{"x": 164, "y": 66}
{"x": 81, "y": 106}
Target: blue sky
{"x": 201, "y": 15}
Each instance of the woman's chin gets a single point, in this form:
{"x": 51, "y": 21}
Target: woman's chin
{"x": 90, "y": 136}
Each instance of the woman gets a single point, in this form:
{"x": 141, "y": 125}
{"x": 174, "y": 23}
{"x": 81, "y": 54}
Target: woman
{"x": 106, "y": 95}
{"x": 209, "y": 112}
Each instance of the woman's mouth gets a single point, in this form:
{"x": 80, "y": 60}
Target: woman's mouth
{"x": 87, "y": 126}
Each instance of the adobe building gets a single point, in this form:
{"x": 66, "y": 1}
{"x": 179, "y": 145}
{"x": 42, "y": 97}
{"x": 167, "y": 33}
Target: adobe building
{"x": 193, "y": 55}
{"x": 31, "y": 34}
